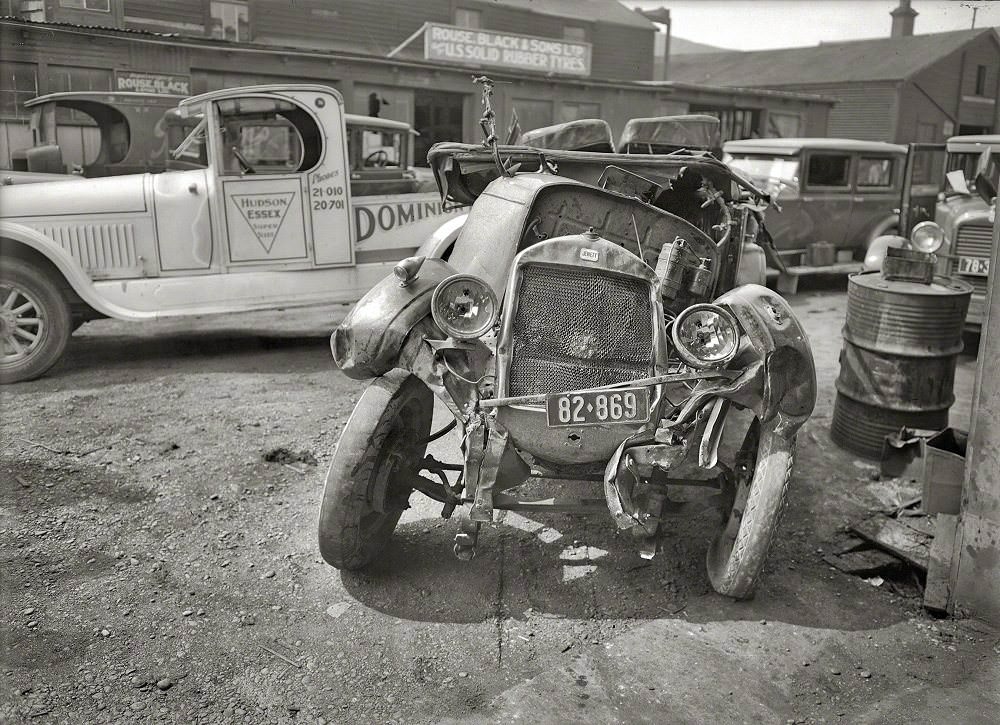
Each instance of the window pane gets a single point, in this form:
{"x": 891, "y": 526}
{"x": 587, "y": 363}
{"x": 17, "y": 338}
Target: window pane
{"x": 17, "y": 85}
{"x": 71, "y": 4}
{"x": 874, "y": 172}
{"x": 828, "y": 170}
{"x": 468, "y": 18}
{"x": 103, "y": 6}
{"x": 229, "y": 21}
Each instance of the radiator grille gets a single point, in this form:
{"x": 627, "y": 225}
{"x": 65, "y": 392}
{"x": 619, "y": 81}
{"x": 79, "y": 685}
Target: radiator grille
{"x": 579, "y": 328}
{"x": 973, "y": 240}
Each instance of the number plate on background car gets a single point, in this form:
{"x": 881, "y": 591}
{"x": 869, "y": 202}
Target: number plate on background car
{"x": 628, "y": 405}
{"x": 978, "y": 266}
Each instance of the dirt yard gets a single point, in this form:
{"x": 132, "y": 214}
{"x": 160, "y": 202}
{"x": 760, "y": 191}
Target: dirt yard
{"x": 158, "y": 502}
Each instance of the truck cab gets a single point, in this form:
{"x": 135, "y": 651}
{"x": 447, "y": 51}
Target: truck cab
{"x": 258, "y": 211}
{"x": 966, "y": 210}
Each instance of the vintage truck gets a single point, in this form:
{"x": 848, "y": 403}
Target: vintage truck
{"x": 272, "y": 208}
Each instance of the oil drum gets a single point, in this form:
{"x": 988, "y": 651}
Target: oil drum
{"x": 897, "y": 366}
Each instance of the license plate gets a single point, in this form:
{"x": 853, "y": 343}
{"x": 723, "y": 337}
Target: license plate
{"x": 605, "y": 407}
{"x": 976, "y": 266}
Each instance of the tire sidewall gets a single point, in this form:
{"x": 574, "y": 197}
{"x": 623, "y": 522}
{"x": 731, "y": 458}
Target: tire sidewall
{"x": 354, "y": 465}
{"x": 54, "y": 310}
{"x": 735, "y": 572}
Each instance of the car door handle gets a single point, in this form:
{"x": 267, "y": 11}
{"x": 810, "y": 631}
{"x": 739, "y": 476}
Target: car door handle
{"x": 193, "y": 188}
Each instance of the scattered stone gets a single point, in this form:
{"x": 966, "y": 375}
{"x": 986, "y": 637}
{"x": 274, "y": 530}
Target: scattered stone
{"x": 335, "y": 610}
{"x": 165, "y": 684}
{"x": 32, "y": 624}
{"x": 283, "y": 454}
{"x": 214, "y": 497}
{"x": 248, "y": 620}
{"x": 835, "y": 671}
{"x": 105, "y": 633}
{"x": 463, "y": 674}
{"x": 269, "y": 574}
{"x": 187, "y": 612}
{"x": 28, "y": 611}
{"x": 866, "y": 674}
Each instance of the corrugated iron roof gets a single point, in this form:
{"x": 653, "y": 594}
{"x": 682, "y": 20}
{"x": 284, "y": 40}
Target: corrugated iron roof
{"x": 881, "y": 59}
{"x": 131, "y": 31}
{"x": 591, "y": 11}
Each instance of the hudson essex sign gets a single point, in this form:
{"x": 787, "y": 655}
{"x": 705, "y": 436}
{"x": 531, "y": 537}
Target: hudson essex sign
{"x": 506, "y": 50}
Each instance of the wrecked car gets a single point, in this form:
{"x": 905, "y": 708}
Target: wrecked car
{"x": 584, "y": 329}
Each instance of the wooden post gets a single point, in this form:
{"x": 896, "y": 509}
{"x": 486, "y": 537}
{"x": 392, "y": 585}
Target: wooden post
{"x": 975, "y": 573}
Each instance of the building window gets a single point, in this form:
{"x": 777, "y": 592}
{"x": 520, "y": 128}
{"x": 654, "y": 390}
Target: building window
{"x": 18, "y": 83}
{"x": 828, "y": 170}
{"x": 468, "y": 18}
{"x": 980, "y": 80}
{"x": 576, "y": 111}
{"x": 230, "y": 21}
{"x": 734, "y": 123}
{"x": 783, "y": 125}
{"x": 68, "y": 78}
{"x": 575, "y": 33}
{"x": 100, "y": 6}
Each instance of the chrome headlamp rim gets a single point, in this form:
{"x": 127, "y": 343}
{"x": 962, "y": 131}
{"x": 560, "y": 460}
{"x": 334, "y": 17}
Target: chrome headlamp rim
{"x": 689, "y": 357}
{"x": 927, "y": 226}
{"x": 450, "y": 329}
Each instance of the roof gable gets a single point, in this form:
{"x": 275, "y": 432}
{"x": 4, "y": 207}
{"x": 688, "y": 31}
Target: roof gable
{"x": 881, "y": 59}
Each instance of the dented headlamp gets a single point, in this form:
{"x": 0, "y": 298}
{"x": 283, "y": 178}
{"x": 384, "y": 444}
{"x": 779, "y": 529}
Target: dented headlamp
{"x": 705, "y": 336}
{"x": 464, "y": 307}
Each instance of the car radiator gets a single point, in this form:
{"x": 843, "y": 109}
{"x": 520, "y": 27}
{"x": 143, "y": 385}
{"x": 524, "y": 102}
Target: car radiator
{"x": 973, "y": 240}
{"x": 578, "y": 327}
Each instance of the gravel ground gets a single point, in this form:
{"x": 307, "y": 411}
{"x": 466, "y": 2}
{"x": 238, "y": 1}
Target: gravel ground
{"x": 158, "y": 567}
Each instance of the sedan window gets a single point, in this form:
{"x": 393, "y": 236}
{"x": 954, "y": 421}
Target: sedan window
{"x": 828, "y": 170}
{"x": 874, "y": 172}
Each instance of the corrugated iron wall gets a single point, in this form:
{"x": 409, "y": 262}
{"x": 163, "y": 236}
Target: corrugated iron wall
{"x": 863, "y": 111}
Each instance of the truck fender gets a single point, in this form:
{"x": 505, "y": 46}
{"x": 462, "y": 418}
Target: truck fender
{"x": 74, "y": 275}
{"x": 369, "y": 340}
{"x": 440, "y": 241}
{"x": 788, "y": 372}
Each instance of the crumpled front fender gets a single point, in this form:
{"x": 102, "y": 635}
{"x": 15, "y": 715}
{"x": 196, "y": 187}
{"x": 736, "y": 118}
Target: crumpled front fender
{"x": 369, "y": 340}
{"x": 779, "y": 340}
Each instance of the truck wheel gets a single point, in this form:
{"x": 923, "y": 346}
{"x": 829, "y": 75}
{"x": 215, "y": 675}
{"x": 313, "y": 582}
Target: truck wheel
{"x": 34, "y": 322}
{"x": 762, "y": 471}
{"x": 380, "y": 448}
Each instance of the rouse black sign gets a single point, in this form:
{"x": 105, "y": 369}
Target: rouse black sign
{"x": 161, "y": 83}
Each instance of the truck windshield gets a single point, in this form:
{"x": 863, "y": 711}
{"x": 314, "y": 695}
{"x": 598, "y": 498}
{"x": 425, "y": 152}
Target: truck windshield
{"x": 773, "y": 174}
{"x": 972, "y": 164}
{"x": 192, "y": 148}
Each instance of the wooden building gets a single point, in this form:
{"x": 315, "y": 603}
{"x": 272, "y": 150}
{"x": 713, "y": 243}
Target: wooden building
{"x": 553, "y": 60}
{"x": 899, "y": 89}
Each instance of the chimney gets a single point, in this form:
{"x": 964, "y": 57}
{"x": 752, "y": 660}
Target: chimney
{"x": 902, "y": 20}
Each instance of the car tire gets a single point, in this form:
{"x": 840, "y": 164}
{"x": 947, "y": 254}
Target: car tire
{"x": 763, "y": 470}
{"x": 381, "y": 445}
{"x": 35, "y": 321}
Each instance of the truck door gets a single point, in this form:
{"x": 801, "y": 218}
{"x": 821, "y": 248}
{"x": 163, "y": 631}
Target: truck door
{"x": 284, "y": 196}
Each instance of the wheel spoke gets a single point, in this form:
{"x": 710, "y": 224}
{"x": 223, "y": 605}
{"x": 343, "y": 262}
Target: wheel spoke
{"x": 29, "y": 320}
{"x": 29, "y": 305}
{"x": 18, "y": 350}
{"x": 9, "y": 302}
{"x": 30, "y": 336}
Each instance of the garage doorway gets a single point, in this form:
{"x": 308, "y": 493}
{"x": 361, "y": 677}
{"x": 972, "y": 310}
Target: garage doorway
{"x": 437, "y": 116}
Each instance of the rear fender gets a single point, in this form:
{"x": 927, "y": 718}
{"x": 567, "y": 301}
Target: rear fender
{"x": 788, "y": 373}
{"x": 369, "y": 341}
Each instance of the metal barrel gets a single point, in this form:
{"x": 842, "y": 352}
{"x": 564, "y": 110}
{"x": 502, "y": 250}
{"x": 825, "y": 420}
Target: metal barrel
{"x": 897, "y": 366}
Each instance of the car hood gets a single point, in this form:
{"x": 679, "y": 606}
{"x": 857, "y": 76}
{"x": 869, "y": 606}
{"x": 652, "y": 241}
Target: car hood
{"x": 106, "y": 195}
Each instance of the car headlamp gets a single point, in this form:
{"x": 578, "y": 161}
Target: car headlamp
{"x": 705, "y": 336}
{"x": 927, "y": 237}
{"x": 464, "y": 306}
